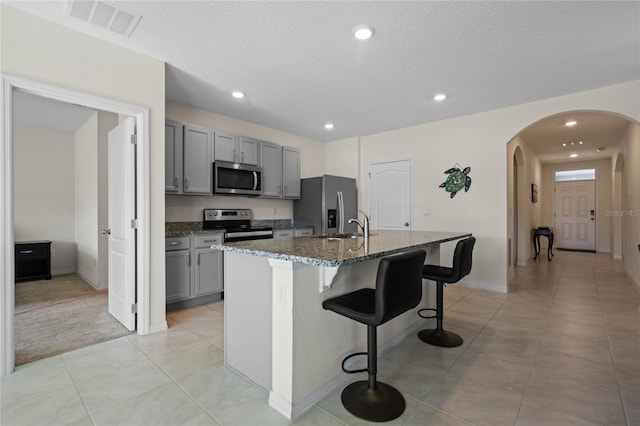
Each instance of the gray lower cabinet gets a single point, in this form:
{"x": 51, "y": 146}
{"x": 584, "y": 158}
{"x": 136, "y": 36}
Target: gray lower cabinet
{"x": 292, "y": 232}
{"x": 303, "y": 232}
{"x": 193, "y": 269}
{"x": 208, "y": 266}
{"x": 178, "y": 268}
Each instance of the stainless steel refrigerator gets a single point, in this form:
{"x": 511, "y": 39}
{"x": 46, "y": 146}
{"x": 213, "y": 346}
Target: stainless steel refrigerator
{"x": 327, "y": 203}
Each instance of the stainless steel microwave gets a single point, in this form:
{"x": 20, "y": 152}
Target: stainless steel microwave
{"x": 236, "y": 179}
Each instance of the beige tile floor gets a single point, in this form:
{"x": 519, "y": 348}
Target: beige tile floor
{"x": 562, "y": 348}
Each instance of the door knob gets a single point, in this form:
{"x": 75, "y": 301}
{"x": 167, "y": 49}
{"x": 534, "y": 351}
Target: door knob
{"x": 106, "y": 232}
{"x": 406, "y": 224}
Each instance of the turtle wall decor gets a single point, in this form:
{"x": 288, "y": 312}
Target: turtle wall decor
{"x": 456, "y": 180}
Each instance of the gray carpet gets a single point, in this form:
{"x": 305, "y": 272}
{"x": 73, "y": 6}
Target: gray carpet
{"x": 60, "y": 315}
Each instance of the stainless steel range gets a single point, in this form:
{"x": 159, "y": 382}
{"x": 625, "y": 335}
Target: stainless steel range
{"x": 236, "y": 224}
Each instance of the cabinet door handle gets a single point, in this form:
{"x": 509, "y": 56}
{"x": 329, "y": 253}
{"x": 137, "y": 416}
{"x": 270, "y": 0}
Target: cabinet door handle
{"x": 186, "y": 182}
{"x": 26, "y": 251}
{"x": 175, "y": 181}
{"x": 197, "y": 258}
{"x": 188, "y": 259}
{"x": 285, "y": 189}
{"x": 279, "y": 190}
{"x": 241, "y": 156}
{"x": 175, "y": 243}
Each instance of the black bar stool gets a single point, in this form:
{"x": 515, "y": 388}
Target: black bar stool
{"x": 461, "y": 267}
{"x": 398, "y": 289}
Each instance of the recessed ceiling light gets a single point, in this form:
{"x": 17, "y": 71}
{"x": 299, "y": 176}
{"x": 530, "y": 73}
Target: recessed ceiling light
{"x": 564, "y": 144}
{"x": 573, "y": 155}
{"x": 600, "y": 149}
{"x": 237, "y": 94}
{"x": 580, "y": 142}
{"x": 363, "y": 32}
{"x": 328, "y": 126}
{"x": 571, "y": 123}
{"x": 440, "y": 97}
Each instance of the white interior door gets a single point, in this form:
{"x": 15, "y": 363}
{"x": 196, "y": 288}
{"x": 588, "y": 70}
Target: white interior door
{"x": 122, "y": 234}
{"x": 390, "y": 195}
{"x": 575, "y": 207}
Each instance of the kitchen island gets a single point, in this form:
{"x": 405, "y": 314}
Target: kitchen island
{"x": 276, "y": 332}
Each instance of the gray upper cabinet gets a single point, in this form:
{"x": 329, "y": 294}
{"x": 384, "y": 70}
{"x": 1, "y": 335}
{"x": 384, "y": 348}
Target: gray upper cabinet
{"x": 225, "y": 147}
{"x": 235, "y": 149}
{"x": 248, "y": 151}
{"x": 197, "y": 160}
{"x": 271, "y": 163}
{"x": 280, "y": 171}
{"x": 173, "y": 157}
{"x": 290, "y": 172}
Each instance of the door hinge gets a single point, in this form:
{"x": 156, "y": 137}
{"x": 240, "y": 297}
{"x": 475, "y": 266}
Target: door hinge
{"x": 134, "y": 308}
{"x": 134, "y": 223}
{"x": 134, "y": 139}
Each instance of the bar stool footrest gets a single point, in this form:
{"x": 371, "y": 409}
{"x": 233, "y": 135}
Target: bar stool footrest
{"x": 382, "y": 404}
{"x": 349, "y": 357}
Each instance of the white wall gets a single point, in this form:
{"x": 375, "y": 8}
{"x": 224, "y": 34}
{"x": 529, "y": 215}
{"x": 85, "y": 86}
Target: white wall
{"x": 45, "y": 52}
{"x": 91, "y": 198}
{"x": 629, "y": 149}
{"x": 86, "y": 199}
{"x": 479, "y": 141}
{"x": 189, "y": 208}
{"x": 603, "y": 196}
{"x": 528, "y": 213}
{"x": 44, "y": 192}
{"x": 106, "y": 122}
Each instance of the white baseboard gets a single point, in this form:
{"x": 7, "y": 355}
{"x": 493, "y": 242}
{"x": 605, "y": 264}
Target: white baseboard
{"x": 157, "y": 327}
{"x": 63, "y": 272}
{"x": 88, "y": 281}
{"x": 617, "y": 257}
{"x": 483, "y": 286}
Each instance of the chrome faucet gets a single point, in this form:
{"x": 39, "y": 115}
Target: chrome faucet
{"x": 364, "y": 225}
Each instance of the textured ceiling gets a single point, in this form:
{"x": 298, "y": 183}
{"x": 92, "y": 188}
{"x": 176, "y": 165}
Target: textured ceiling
{"x": 300, "y": 65}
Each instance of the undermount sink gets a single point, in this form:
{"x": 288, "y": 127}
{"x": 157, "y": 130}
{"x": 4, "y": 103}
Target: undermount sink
{"x": 342, "y": 236}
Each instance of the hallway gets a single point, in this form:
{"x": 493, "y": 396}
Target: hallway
{"x": 562, "y": 348}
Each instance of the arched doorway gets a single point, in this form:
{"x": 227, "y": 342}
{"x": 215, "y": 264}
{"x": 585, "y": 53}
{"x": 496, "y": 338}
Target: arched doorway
{"x": 544, "y": 147}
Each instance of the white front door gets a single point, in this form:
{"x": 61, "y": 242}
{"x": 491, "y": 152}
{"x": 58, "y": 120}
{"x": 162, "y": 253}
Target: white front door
{"x": 390, "y": 195}
{"x": 122, "y": 234}
{"x": 575, "y": 207}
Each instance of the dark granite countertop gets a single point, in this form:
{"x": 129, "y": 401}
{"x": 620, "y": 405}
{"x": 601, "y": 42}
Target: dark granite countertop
{"x": 337, "y": 252}
{"x": 181, "y": 229}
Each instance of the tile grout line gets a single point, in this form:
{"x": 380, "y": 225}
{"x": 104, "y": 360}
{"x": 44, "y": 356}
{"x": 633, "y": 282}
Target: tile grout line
{"x": 206, "y": 412}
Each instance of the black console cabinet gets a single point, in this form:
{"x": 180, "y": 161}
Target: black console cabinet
{"x": 33, "y": 260}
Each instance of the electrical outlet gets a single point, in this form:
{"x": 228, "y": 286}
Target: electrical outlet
{"x": 426, "y": 212}
{"x": 275, "y": 211}
{"x": 171, "y": 211}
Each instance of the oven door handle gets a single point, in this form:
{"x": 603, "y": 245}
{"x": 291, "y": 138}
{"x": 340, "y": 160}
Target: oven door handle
{"x": 255, "y": 180}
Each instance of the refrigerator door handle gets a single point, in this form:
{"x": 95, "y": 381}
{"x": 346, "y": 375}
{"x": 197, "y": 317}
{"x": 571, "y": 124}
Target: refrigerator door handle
{"x": 341, "y": 212}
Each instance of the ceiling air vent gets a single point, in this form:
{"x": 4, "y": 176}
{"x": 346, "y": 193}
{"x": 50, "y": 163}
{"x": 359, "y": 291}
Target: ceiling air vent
{"x": 104, "y": 15}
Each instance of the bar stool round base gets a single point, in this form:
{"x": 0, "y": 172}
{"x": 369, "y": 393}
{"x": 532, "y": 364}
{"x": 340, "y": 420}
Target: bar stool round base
{"x": 443, "y": 338}
{"x": 382, "y": 404}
